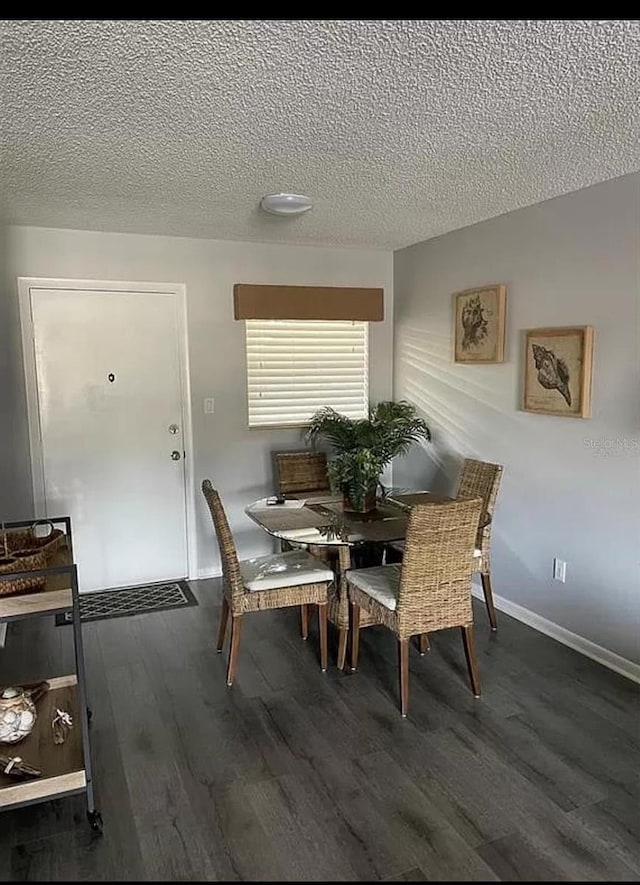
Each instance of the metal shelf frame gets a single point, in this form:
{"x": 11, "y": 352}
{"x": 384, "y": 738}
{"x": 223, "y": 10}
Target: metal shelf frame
{"x": 18, "y": 607}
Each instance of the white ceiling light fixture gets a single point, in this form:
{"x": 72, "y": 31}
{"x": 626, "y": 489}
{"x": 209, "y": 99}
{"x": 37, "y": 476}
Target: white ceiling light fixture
{"x": 286, "y": 204}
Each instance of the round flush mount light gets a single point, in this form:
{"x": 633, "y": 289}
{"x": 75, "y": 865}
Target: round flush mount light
{"x": 286, "y": 204}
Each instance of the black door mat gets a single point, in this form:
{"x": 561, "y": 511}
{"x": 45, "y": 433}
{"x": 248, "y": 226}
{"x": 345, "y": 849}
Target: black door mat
{"x": 128, "y": 601}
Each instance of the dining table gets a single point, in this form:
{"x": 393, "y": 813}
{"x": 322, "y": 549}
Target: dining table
{"x": 343, "y": 538}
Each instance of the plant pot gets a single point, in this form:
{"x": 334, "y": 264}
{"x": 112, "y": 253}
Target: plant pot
{"x": 368, "y": 503}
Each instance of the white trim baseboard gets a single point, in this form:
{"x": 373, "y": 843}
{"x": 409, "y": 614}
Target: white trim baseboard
{"x": 585, "y": 646}
{"x": 209, "y": 573}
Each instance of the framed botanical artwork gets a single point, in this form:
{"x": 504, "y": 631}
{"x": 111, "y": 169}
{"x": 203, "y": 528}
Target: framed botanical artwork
{"x": 479, "y": 324}
{"x": 557, "y": 371}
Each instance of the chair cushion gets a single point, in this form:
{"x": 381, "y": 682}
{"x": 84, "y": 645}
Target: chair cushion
{"x": 289, "y": 569}
{"x": 400, "y": 545}
{"x": 380, "y": 583}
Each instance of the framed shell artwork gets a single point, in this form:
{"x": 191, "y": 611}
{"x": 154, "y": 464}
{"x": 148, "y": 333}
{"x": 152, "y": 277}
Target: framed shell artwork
{"x": 557, "y": 371}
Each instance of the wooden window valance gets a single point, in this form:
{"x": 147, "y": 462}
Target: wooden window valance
{"x": 252, "y": 302}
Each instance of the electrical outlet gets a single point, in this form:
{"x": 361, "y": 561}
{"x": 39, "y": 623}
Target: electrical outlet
{"x": 559, "y": 570}
{"x": 209, "y": 405}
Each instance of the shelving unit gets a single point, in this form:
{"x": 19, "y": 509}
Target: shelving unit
{"x": 66, "y": 768}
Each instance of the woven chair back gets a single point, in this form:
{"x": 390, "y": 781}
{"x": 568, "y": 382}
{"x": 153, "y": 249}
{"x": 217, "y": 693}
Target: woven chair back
{"x": 480, "y": 479}
{"x": 435, "y": 582}
{"x": 302, "y": 472}
{"x": 226, "y": 544}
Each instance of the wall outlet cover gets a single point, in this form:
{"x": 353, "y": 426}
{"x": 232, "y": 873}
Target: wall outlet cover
{"x": 559, "y": 570}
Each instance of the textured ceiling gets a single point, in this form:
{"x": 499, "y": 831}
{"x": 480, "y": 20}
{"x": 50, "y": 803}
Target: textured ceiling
{"x": 398, "y": 130}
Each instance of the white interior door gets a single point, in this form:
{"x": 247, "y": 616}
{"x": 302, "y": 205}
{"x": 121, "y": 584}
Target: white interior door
{"x": 111, "y": 422}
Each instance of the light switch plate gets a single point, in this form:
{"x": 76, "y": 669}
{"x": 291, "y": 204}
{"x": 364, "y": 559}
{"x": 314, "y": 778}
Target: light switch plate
{"x": 559, "y": 570}
{"x": 209, "y": 405}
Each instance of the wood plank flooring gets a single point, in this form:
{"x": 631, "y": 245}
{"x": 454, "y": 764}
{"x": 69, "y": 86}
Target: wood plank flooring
{"x": 296, "y": 775}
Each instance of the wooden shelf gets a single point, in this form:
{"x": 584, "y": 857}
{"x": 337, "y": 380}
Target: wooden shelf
{"x": 62, "y": 765}
{"x": 49, "y": 601}
{"x": 64, "y": 768}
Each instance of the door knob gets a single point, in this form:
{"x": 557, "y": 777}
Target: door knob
{"x": 175, "y": 455}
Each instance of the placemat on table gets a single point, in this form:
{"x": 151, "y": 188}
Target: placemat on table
{"x": 381, "y": 512}
{"x": 412, "y": 498}
{"x": 281, "y": 519}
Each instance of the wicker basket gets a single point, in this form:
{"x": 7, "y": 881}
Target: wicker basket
{"x": 26, "y": 539}
{"x": 21, "y": 550}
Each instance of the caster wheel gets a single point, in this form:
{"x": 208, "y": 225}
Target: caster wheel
{"x": 95, "y": 821}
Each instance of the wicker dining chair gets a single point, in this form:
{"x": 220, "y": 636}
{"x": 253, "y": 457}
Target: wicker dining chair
{"x": 482, "y": 479}
{"x": 477, "y": 479}
{"x": 300, "y": 472}
{"x": 303, "y": 473}
{"x": 338, "y": 610}
{"x": 267, "y": 582}
{"x": 430, "y": 590}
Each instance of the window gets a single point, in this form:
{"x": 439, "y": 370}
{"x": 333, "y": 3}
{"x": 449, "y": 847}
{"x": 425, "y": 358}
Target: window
{"x": 295, "y": 367}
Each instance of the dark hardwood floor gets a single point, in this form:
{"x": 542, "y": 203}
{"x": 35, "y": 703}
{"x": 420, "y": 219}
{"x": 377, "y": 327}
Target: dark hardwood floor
{"x": 298, "y": 775}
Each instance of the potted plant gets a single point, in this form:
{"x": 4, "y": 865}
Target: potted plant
{"x": 363, "y": 447}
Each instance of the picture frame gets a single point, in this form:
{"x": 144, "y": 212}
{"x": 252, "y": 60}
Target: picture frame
{"x": 479, "y": 324}
{"x": 558, "y": 366}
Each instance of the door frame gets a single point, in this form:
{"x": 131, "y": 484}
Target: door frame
{"x": 178, "y": 290}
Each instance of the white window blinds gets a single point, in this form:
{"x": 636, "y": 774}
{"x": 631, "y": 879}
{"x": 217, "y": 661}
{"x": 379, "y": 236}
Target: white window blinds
{"x": 295, "y": 367}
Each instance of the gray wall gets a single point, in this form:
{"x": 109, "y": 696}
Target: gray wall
{"x": 12, "y": 426}
{"x": 569, "y": 261}
{"x": 237, "y": 459}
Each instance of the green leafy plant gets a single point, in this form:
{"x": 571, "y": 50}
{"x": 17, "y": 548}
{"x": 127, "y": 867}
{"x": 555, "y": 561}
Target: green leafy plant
{"x": 363, "y": 447}
{"x": 356, "y": 474}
